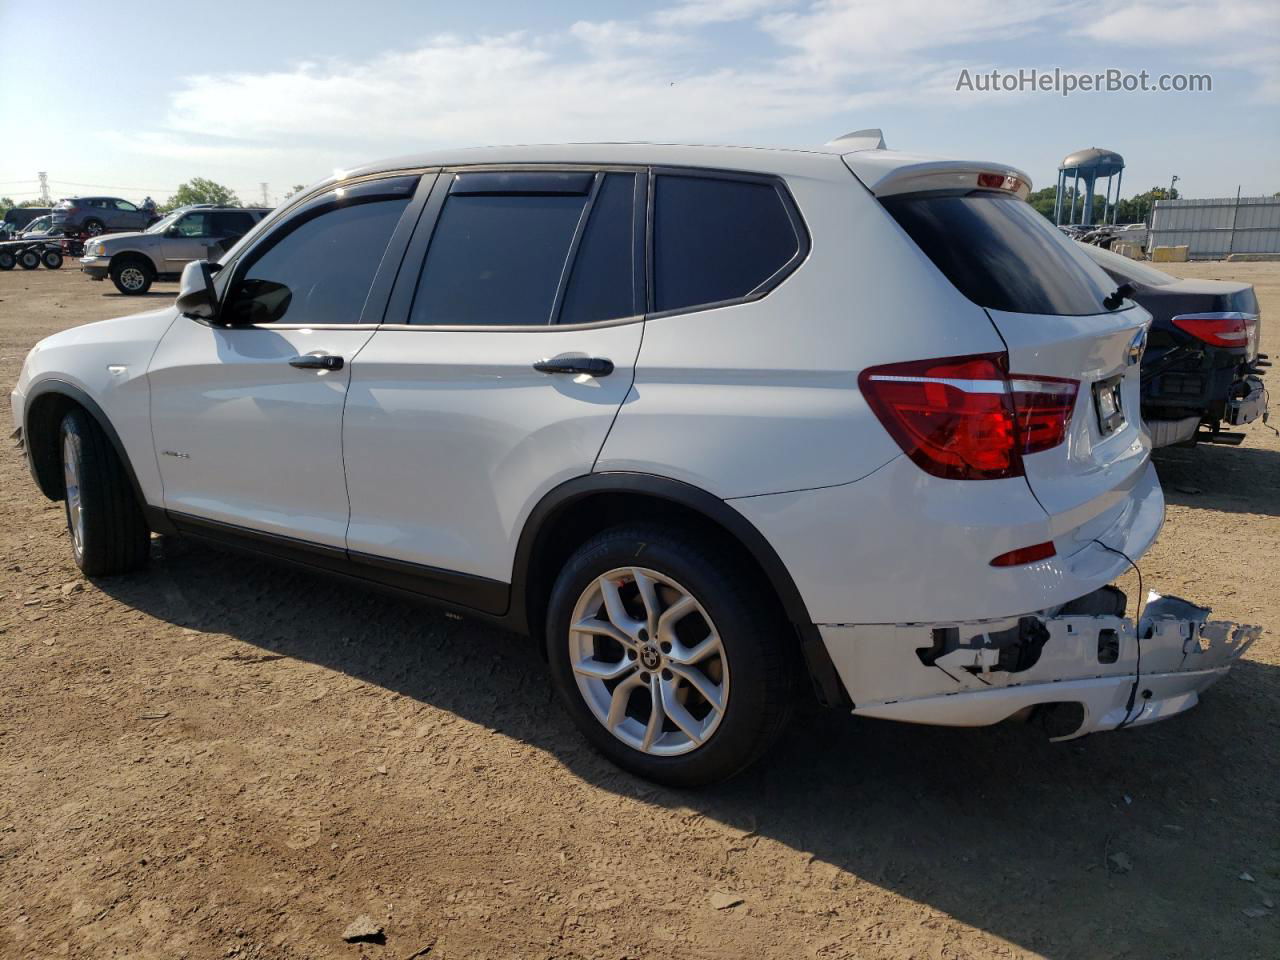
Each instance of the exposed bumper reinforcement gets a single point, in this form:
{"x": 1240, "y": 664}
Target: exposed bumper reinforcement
{"x": 975, "y": 674}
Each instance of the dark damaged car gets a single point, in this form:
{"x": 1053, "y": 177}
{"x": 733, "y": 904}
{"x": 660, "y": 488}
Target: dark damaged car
{"x": 1202, "y": 370}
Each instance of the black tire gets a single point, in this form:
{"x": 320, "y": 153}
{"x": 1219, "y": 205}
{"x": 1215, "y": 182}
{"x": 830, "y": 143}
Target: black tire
{"x": 52, "y": 259}
{"x": 753, "y": 637}
{"x": 28, "y": 259}
{"x": 94, "y": 227}
{"x": 112, "y": 536}
{"x": 132, "y": 276}
{"x": 7, "y": 260}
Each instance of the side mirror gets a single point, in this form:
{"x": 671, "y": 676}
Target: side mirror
{"x": 196, "y": 294}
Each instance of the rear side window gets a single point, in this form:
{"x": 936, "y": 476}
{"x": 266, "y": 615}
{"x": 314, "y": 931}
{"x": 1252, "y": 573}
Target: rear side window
{"x": 1000, "y": 253}
{"x": 320, "y": 270}
{"x": 717, "y": 239}
{"x": 232, "y": 224}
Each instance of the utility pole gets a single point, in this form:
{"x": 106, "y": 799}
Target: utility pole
{"x": 265, "y": 203}
{"x": 44, "y": 188}
{"x": 1175, "y": 179}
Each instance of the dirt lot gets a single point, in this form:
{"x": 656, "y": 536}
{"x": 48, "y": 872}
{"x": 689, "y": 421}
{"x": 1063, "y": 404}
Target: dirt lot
{"x": 223, "y": 758}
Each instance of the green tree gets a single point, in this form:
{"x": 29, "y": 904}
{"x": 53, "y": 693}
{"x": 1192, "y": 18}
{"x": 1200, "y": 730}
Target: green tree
{"x": 1044, "y": 201}
{"x": 1137, "y": 209}
{"x": 296, "y": 188}
{"x": 200, "y": 190}
{"x": 6, "y": 203}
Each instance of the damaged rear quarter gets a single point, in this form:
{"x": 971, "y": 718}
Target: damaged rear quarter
{"x": 1096, "y": 668}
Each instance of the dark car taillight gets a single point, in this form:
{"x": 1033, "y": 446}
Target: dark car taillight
{"x": 967, "y": 418}
{"x": 1217, "y": 329}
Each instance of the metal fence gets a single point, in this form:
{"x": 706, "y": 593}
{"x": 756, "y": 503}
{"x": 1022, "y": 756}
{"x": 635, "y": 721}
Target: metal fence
{"x": 1214, "y": 229}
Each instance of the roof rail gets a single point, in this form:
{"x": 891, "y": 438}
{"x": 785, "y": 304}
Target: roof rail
{"x": 870, "y": 139}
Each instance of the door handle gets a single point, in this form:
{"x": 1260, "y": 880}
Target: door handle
{"x": 317, "y": 361}
{"x": 592, "y": 366}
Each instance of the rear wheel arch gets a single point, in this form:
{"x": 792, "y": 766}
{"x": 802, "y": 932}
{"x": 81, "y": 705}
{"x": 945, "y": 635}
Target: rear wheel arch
{"x": 577, "y": 510}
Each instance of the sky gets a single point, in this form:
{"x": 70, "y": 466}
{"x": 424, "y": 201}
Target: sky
{"x": 285, "y": 92}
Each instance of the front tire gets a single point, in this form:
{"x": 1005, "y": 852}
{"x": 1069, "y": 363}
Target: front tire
{"x": 132, "y": 277}
{"x": 669, "y": 655}
{"x": 109, "y": 534}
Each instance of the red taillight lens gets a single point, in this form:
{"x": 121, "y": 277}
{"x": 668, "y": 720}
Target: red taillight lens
{"x": 1016, "y": 558}
{"x": 1215, "y": 329}
{"x": 1044, "y": 406}
{"x": 999, "y": 181}
{"x": 965, "y": 418}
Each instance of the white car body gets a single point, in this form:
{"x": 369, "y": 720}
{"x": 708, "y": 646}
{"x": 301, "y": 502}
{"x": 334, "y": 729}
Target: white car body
{"x": 433, "y": 454}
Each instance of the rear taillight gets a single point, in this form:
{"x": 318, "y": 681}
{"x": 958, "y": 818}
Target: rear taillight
{"x": 1216, "y": 329}
{"x": 967, "y": 418}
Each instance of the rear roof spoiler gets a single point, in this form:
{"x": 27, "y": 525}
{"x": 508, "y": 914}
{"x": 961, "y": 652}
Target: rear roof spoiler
{"x": 888, "y": 172}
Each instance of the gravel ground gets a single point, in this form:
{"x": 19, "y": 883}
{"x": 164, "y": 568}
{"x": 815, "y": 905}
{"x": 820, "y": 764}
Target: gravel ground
{"x": 224, "y": 758}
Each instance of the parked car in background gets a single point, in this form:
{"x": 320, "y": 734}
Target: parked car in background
{"x": 95, "y": 215}
{"x": 134, "y": 261}
{"x": 39, "y": 227}
{"x": 18, "y": 218}
{"x": 701, "y": 420}
{"x": 1202, "y": 369}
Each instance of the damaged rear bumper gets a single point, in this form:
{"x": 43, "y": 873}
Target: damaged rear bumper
{"x": 1106, "y": 671}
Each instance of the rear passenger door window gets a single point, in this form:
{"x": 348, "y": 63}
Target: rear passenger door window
{"x": 531, "y": 249}
{"x": 719, "y": 239}
{"x": 232, "y": 224}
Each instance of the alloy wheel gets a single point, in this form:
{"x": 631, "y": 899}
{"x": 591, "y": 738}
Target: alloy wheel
{"x": 648, "y": 661}
{"x": 71, "y": 476}
{"x": 132, "y": 278}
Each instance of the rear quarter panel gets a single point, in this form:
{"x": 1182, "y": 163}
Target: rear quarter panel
{"x": 762, "y": 397}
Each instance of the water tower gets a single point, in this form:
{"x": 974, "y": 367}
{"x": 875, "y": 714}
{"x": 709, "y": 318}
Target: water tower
{"x": 1090, "y": 166}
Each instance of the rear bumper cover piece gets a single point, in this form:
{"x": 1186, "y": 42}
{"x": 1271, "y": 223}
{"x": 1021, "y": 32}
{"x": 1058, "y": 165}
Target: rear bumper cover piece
{"x": 983, "y": 672}
{"x": 1250, "y": 406}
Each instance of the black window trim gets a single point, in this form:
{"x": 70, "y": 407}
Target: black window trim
{"x": 315, "y": 205}
{"x": 769, "y": 284}
{"x": 402, "y": 297}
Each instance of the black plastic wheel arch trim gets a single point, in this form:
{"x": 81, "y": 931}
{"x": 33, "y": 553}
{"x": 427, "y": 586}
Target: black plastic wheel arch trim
{"x": 828, "y": 688}
{"x": 155, "y": 517}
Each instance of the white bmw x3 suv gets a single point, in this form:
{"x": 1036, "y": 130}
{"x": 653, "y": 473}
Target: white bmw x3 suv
{"x": 701, "y": 420}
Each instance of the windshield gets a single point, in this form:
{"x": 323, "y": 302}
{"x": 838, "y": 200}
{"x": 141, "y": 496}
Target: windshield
{"x": 163, "y": 224}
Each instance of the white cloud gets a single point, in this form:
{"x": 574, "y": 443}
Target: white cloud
{"x": 862, "y": 36}
{"x": 498, "y": 90}
{"x": 1188, "y": 24}
{"x": 661, "y": 76}
{"x": 696, "y": 13}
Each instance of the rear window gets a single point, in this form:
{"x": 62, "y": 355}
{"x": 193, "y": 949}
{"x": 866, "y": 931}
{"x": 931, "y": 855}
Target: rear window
{"x": 1000, "y": 253}
{"x": 718, "y": 239}
{"x": 1123, "y": 268}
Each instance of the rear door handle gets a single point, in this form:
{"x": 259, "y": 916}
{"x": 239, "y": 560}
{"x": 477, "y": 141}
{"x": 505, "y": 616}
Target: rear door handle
{"x": 592, "y": 366}
{"x": 317, "y": 361}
